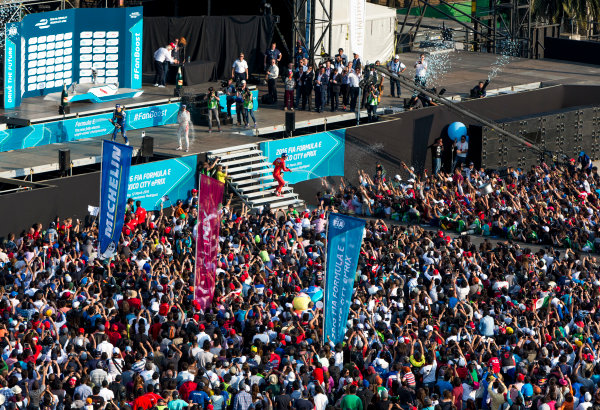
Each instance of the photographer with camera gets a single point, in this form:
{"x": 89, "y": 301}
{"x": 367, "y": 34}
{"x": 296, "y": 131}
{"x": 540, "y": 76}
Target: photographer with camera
{"x": 372, "y": 102}
{"x": 213, "y": 109}
{"x": 240, "y": 89}
{"x": 229, "y": 89}
{"x": 248, "y": 107}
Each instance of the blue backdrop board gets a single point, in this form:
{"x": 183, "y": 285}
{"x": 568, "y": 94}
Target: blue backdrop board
{"x": 310, "y": 156}
{"x": 86, "y": 127}
{"x": 150, "y": 182}
{"x": 46, "y": 50}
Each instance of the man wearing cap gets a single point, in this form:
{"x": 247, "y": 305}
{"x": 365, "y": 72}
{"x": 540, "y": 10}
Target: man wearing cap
{"x": 239, "y": 69}
{"x": 280, "y": 167}
{"x": 183, "y": 120}
{"x": 118, "y": 120}
{"x": 162, "y": 58}
{"x": 396, "y": 67}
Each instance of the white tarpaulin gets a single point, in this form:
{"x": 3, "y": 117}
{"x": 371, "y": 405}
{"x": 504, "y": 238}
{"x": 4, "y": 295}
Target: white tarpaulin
{"x": 350, "y": 18}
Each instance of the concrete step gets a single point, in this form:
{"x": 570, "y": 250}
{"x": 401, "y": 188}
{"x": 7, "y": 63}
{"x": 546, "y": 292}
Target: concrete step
{"x": 251, "y": 174}
{"x": 273, "y": 198}
{"x": 283, "y": 204}
{"x": 236, "y": 154}
{"x": 247, "y": 166}
{"x": 257, "y": 187}
{"x": 256, "y": 180}
{"x": 244, "y": 160}
{"x": 270, "y": 192}
{"x": 228, "y": 150}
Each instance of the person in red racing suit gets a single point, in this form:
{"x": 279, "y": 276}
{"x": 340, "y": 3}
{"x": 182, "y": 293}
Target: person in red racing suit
{"x": 280, "y": 167}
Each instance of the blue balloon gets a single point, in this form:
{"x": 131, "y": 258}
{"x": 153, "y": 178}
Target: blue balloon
{"x": 457, "y": 130}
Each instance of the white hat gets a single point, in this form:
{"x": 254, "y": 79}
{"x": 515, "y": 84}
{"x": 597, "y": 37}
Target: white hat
{"x": 16, "y": 390}
{"x": 291, "y": 377}
{"x": 396, "y": 56}
{"x": 462, "y": 362}
{"x": 76, "y": 304}
{"x": 67, "y": 278}
{"x": 2, "y": 399}
{"x": 116, "y": 350}
{"x": 398, "y": 177}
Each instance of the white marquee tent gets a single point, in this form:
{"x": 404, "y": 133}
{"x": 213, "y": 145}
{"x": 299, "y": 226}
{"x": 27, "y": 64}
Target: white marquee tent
{"x": 361, "y": 27}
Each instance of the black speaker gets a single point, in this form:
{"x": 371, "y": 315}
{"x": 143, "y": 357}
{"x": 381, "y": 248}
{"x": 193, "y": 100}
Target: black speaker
{"x": 64, "y": 160}
{"x": 147, "y": 147}
{"x": 290, "y": 121}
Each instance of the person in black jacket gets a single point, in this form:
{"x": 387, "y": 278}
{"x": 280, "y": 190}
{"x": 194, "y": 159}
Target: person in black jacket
{"x": 321, "y": 85}
{"x": 336, "y": 86}
{"x": 307, "y": 86}
{"x": 479, "y": 90}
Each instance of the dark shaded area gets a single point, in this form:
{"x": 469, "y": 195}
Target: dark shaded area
{"x": 66, "y": 197}
{"x": 217, "y": 38}
{"x": 406, "y": 138}
{"x": 572, "y": 50}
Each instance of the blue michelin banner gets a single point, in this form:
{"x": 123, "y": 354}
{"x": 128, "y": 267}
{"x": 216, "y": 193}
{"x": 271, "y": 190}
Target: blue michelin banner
{"x": 116, "y": 163}
{"x": 87, "y": 127}
{"x": 344, "y": 239}
{"x": 46, "y": 50}
{"x": 162, "y": 181}
{"x": 310, "y": 156}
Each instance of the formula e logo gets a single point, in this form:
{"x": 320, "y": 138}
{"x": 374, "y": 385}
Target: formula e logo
{"x": 135, "y": 15}
{"x": 338, "y": 223}
{"x": 12, "y": 31}
{"x": 42, "y": 24}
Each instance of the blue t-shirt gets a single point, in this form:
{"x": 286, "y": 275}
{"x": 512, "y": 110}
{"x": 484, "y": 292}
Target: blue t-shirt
{"x": 443, "y": 385}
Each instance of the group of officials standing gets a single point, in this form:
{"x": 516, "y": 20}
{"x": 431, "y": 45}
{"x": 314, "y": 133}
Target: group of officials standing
{"x": 335, "y": 83}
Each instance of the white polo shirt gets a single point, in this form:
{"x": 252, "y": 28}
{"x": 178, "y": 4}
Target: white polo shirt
{"x": 240, "y": 66}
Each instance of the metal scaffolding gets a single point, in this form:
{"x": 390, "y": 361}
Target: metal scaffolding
{"x": 17, "y": 9}
{"x": 304, "y": 22}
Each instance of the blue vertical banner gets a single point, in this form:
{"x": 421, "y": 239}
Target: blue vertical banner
{"x": 12, "y": 62}
{"x": 116, "y": 163}
{"x": 344, "y": 239}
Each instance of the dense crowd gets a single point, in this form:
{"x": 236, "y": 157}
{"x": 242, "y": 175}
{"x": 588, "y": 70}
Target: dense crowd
{"x": 436, "y": 321}
{"x": 545, "y": 205}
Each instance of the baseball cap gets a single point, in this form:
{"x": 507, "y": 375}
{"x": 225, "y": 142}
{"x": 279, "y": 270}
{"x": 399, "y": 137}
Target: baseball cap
{"x": 172, "y": 45}
{"x": 117, "y": 105}
{"x": 284, "y": 155}
{"x": 396, "y": 57}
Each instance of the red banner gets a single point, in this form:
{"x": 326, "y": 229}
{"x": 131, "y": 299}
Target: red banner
{"x": 207, "y": 239}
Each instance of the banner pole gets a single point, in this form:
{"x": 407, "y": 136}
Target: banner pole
{"x": 100, "y": 193}
{"x": 325, "y": 276}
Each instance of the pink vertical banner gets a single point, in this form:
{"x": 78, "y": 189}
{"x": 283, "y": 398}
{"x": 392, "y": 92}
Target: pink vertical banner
{"x": 210, "y": 196}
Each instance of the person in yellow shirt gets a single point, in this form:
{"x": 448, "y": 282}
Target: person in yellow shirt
{"x": 221, "y": 175}
{"x": 417, "y": 359}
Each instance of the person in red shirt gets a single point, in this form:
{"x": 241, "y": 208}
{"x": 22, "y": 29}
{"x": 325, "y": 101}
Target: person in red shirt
{"x": 140, "y": 213}
{"x": 280, "y": 167}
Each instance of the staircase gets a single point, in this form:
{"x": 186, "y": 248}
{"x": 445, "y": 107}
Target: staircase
{"x": 251, "y": 177}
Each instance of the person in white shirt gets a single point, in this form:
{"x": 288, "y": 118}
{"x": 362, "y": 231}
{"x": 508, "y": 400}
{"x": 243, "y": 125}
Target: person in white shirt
{"x": 162, "y": 58}
{"x": 396, "y": 67}
{"x": 354, "y": 83}
{"x": 462, "y": 148}
{"x": 183, "y": 119}
{"x": 272, "y": 76}
{"x": 421, "y": 71}
{"x": 239, "y": 70}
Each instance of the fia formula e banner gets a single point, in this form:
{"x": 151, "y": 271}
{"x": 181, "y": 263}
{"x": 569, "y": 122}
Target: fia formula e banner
{"x": 44, "y": 51}
{"x": 310, "y": 156}
{"x": 162, "y": 181}
{"x": 116, "y": 162}
{"x": 86, "y": 127}
{"x": 210, "y": 195}
{"x": 344, "y": 238}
